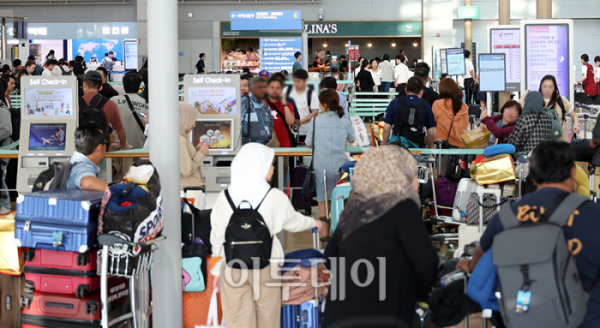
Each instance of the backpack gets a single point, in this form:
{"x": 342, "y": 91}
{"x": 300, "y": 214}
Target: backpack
{"x": 247, "y": 237}
{"x": 410, "y": 121}
{"x": 556, "y": 126}
{"x": 538, "y": 281}
{"x": 63, "y": 71}
{"x": 55, "y": 177}
{"x": 93, "y": 114}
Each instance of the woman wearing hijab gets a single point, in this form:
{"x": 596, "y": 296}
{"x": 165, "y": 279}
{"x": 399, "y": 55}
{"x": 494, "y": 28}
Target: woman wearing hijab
{"x": 190, "y": 157}
{"x": 381, "y": 233}
{"x": 533, "y": 126}
{"x": 251, "y": 170}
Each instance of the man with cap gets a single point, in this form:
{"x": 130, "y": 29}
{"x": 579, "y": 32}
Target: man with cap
{"x": 92, "y": 84}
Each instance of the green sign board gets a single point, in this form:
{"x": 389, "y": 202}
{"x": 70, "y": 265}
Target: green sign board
{"x": 468, "y": 12}
{"x": 338, "y": 29}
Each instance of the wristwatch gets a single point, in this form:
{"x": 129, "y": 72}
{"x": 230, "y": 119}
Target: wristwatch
{"x": 285, "y": 105}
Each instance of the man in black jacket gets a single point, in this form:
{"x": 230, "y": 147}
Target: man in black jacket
{"x": 422, "y": 71}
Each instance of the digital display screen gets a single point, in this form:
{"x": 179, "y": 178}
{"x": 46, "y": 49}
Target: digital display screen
{"x": 492, "y": 73}
{"x": 211, "y": 100}
{"x": 443, "y": 61}
{"x": 131, "y": 55}
{"x": 48, "y": 102}
{"x": 47, "y": 137}
{"x": 217, "y": 134}
{"x": 508, "y": 42}
{"x": 456, "y": 61}
{"x": 547, "y": 53}
{"x": 278, "y": 53}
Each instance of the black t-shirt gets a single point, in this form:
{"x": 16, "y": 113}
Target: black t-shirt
{"x": 430, "y": 95}
{"x": 581, "y": 232}
{"x": 200, "y": 66}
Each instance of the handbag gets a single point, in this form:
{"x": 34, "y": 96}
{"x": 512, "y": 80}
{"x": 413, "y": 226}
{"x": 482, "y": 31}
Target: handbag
{"x": 457, "y": 166}
{"x": 446, "y": 192}
{"x": 495, "y": 169}
{"x": 309, "y": 188}
{"x": 489, "y": 208}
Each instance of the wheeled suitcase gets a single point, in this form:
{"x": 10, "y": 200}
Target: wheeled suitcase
{"x": 11, "y": 289}
{"x": 196, "y": 305}
{"x": 65, "y": 220}
{"x": 298, "y": 201}
{"x": 339, "y": 195}
{"x": 49, "y": 271}
{"x": 307, "y": 314}
{"x": 465, "y": 188}
{"x": 60, "y": 311}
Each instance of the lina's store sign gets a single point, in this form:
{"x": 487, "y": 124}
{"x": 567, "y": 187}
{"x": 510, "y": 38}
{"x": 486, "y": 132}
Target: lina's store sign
{"x": 337, "y": 28}
{"x": 321, "y": 28}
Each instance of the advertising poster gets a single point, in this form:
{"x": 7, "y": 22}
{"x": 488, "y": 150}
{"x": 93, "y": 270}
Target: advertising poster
{"x": 360, "y": 131}
{"x": 49, "y": 102}
{"x": 93, "y": 51}
{"x": 214, "y": 133}
{"x": 492, "y": 76}
{"x": 547, "y": 52}
{"x": 456, "y": 61}
{"x": 508, "y": 42}
{"x": 47, "y": 137}
{"x": 334, "y": 61}
{"x": 219, "y": 100}
{"x": 278, "y": 53}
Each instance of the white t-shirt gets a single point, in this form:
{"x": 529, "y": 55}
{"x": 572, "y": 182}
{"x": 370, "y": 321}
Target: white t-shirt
{"x": 469, "y": 68}
{"x": 401, "y": 73}
{"x": 48, "y": 72}
{"x": 597, "y": 71}
{"x": 302, "y": 105}
{"x": 377, "y": 77}
{"x": 583, "y": 69}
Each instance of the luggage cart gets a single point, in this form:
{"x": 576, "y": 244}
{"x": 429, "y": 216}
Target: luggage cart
{"x": 133, "y": 261}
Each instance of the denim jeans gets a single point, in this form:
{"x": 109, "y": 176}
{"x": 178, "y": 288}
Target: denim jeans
{"x": 384, "y": 87}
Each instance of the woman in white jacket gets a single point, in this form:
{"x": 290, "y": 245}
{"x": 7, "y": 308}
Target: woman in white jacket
{"x": 252, "y": 303}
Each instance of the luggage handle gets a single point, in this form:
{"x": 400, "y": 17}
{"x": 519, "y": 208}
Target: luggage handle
{"x": 58, "y": 305}
{"x": 185, "y": 190}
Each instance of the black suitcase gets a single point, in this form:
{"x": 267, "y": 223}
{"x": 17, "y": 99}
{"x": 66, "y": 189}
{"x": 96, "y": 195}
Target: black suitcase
{"x": 298, "y": 201}
{"x": 11, "y": 291}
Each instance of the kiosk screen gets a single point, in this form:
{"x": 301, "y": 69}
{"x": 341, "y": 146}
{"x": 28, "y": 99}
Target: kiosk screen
{"x": 217, "y": 133}
{"x": 48, "y": 102}
{"x": 47, "y": 137}
{"x": 221, "y": 100}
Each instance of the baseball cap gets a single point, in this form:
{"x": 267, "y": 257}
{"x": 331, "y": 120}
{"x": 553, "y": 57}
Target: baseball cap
{"x": 93, "y": 75}
{"x": 264, "y": 73}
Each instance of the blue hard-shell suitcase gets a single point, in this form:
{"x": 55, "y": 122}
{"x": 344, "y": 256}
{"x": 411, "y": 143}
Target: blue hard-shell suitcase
{"x": 289, "y": 316}
{"x": 338, "y": 197}
{"x": 65, "y": 220}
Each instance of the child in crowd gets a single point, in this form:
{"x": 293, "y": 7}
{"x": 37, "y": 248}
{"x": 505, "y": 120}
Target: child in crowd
{"x": 501, "y": 126}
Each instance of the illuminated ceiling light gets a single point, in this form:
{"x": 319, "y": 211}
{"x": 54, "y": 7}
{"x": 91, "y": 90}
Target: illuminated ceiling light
{"x": 370, "y": 44}
{"x": 415, "y": 43}
{"x": 393, "y": 43}
{"x": 325, "y": 44}
{"x": 346, "y": 44}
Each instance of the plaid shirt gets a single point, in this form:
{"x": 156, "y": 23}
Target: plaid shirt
{"x": 531, "y": 129}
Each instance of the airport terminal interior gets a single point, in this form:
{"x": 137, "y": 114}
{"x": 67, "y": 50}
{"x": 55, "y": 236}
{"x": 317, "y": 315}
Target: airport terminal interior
{"x": 299, "y": 163}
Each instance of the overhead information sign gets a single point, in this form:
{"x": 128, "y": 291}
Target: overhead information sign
{"x": 265, "y": 20}
{"x": 507, "y": 41}
{"x": 278, "y": 53}
{"x": 456, "y": 61}
{"x": 468, "y": 12}
{"x": 492, "y": 76}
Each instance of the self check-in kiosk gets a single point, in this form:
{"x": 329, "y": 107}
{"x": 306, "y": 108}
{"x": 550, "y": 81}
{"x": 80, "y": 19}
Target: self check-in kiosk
{"x": 48, "y": 121}
{"x": 217, "y": 98}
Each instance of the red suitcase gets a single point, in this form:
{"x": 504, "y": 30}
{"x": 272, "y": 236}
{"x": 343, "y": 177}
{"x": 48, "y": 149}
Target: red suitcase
{"x": 51, "y": 271}
{"x": 64, "y": 311}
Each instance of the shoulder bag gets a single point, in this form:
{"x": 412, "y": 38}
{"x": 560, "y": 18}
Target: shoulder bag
{"x": 309, "y": 188}
{"x": 135, "y": 114}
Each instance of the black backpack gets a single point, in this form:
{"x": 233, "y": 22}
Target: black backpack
{"x": 92, "y": 113}
{"x": 55, "y": 177}
{"x": 247, "y": 237}
{"x": 410, "y": 121}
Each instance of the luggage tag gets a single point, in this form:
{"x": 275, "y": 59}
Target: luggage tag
{"x": 57, "y": 238}
{"x": 523, "y": 301}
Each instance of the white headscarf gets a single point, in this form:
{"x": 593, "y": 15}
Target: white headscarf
{"x": 249, "y": 171}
